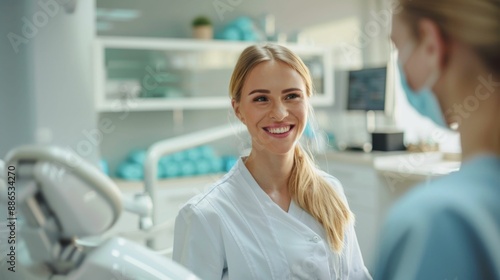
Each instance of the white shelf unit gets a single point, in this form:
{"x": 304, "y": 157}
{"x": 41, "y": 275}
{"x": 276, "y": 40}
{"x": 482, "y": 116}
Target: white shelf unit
{"x": 209, "y": 62}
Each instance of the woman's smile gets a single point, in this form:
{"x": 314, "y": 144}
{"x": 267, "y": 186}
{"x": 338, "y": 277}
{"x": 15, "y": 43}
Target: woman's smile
{"x": 279, "y": 131}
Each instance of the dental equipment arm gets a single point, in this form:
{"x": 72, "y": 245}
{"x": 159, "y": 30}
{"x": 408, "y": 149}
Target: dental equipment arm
{"x": 60, "y": 198}
{"x": 142, "y": 205}
{"x": 172, "y": 145}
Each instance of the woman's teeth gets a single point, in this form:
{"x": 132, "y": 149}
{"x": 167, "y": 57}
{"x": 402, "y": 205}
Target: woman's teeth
{"x": 279, "y": 130}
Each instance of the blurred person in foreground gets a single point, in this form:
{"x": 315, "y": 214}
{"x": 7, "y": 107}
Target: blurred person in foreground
{"x": 449, "y": 58}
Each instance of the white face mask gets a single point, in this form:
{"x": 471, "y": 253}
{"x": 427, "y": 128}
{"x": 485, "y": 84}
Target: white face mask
{"x": 423, "y": 100}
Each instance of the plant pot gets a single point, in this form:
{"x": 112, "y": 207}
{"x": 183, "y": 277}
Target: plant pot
{"x": 203, "y": 32}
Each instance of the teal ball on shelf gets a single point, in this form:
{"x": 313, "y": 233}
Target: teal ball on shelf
{"x": 217, "y": 165}
{"x": 130, "y": 171}
{"x": 230, "y": 34}
{"x": 202, "y": 166}
{"x": 166, "y": 160}
{"x": 188, "y": 168}
{"x": 249, "y": 36}
{"x": 171, "y": 169}
{"x": 193, "y": 154}
{"x": 206, "y": 152}
{"x": 179, "y": 156}
{"x": 229, "y": 162}
{"x": 137, "y": 156}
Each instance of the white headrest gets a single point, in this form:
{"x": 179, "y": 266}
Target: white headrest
{"x": 83, "y": 199}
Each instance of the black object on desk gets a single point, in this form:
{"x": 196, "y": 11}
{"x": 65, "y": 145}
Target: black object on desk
{"x": 388, "y": 141}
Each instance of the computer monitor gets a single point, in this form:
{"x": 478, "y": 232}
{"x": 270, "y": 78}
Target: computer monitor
{"x": 367, "y": 89}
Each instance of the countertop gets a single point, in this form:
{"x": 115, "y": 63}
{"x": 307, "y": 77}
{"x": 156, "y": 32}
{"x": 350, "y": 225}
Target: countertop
{"x": 356, "y": 157}
{"x": 405, "y": 164}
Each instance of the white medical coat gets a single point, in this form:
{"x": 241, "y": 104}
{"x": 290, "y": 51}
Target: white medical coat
{"x": 235, "y": 231}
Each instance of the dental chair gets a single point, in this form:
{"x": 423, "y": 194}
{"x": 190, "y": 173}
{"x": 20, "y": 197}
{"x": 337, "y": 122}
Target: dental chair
{"x": 61, "y": 203}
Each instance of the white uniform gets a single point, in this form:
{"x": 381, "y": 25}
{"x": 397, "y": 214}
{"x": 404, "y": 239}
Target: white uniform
{"x": 235, "y": 231}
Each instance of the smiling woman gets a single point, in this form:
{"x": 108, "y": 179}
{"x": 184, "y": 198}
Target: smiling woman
{"x": 274, "y": 215}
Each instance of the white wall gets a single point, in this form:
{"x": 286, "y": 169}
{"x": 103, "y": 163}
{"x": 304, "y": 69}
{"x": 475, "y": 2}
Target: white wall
{"x": 17, "y": 106}
{"x": 374, "y": 42}
{"x": 49, "y": 97}
{"x": 64, "y": 95}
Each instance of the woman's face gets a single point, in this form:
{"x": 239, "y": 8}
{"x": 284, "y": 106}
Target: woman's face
{"x": 423, "y": 62}
{"x": 273, "y": 106}
{"x": 411, "y": 54}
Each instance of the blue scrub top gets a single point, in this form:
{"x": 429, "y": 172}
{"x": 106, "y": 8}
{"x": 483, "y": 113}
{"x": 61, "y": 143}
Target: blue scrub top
{"x": 446, "y": 230}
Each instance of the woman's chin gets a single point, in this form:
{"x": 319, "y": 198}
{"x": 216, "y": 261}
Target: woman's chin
{"x": 275, "y": 150}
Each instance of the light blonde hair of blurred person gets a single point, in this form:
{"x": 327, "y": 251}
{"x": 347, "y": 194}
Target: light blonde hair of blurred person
{"x": 458, "y": 42}
{"x": 306, "y": 187}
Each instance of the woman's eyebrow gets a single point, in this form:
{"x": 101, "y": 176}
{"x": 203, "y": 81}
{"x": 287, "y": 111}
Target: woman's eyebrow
{"x": 259, "y": 91}
{"x": 268, "y": 91}
{"x": 290, "y": 89}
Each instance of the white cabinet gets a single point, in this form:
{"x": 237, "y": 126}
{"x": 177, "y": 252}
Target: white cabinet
{"x": 374, "y": 181}
{"x": 363, "y": 191}
{"x": 367, "y": 192}
{"x": 140, "y": 74}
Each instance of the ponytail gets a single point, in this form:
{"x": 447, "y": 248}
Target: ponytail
{"x": 315, "y": 195}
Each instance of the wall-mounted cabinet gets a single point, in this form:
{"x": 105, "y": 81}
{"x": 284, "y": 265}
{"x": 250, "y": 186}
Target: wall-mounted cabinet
{"x": 144, "y": 74}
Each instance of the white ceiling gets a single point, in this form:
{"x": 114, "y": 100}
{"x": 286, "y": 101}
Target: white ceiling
{"x": 172, "y": 18}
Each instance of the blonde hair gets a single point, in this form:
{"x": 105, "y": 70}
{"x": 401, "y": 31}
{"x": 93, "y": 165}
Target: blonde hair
{"x": 473, "y": 22}
{"x": 306, "y": 186}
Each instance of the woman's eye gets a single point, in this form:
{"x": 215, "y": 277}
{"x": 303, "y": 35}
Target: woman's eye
{"x": 260, "y": 99}
{"x": 292, "y": 96}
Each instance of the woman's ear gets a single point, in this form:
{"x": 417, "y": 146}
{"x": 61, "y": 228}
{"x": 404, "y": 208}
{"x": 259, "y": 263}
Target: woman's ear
{"x": 236, "y": 108}
{"x": 434, "y": 42}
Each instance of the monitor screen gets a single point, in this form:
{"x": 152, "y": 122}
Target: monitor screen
{"x": 367, "y": 89}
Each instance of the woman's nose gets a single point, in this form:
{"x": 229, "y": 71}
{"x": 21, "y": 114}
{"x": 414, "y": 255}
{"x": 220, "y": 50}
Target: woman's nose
{"x": 278, "y": 111}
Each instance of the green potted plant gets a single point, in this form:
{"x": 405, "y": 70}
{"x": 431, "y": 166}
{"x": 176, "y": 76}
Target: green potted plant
{"x": 202, "y": 28}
